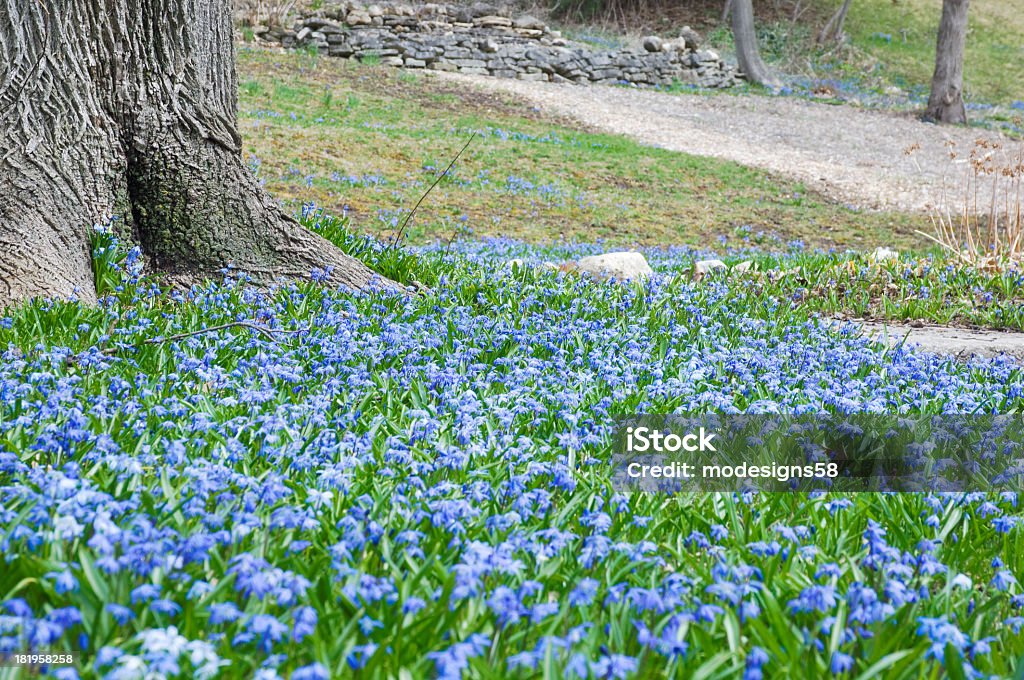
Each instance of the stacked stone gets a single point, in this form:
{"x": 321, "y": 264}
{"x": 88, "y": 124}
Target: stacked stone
{"x": 481, "y": 39}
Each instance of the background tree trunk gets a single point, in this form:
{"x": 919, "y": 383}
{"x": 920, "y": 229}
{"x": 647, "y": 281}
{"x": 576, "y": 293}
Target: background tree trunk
{"x": 127, "y": 109}
{"x": 946, "y": 103}
{"x": 747, "y": 53}
{"x": 833, "y": 30}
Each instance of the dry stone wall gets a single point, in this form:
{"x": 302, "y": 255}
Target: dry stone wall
{"x": 484, "y": 40}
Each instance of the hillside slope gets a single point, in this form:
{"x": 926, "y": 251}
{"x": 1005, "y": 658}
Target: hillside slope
{"x": 901, "y": 35}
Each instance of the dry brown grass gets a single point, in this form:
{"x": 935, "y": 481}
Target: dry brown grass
{"x": 986, "y": 228}
{"x": 269, "y": 12}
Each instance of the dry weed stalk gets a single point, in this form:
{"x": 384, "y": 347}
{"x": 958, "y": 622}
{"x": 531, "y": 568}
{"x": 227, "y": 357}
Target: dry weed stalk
{"x": 269, "y": 12}
{"x": 987, "y": 232}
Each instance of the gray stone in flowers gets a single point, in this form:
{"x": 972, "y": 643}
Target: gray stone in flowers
{"x": 620, "y": 266}
{"x": 704, "y": 267}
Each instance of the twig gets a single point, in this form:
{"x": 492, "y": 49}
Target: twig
{"x": 263, "y": 330}
{"x": 412, "y": 212}
{"x": 269, "y": 333}
{"x": 932, "y": 238}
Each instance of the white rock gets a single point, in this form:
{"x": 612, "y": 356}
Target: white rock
{"x": 702, "y": 268}
{"x": 743, "y": 266}
{"x": 884, "y": 254}
{"x": 677, "y": 45}
{"x": 512, "y": 264}
{"x": 358, "y": 19}
{"x": 493, "y": 21}
{"x": 620, "y": 266}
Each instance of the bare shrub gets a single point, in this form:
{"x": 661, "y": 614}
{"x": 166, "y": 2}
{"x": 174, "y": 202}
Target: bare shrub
{"x": 267, "y": 12}
{"x": 986, "y": 229}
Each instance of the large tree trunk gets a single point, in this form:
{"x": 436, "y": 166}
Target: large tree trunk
{"x": 946, "y": 102}
{"x": 747, "y": 53}
{"x": 126, "y": 109}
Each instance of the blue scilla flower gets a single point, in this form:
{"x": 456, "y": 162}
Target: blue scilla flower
{"x": 413, "y": 605}
{"x": 1006, "y": 524}
{"x": 757, "y": 658}
{"x": 506, "y": 605}
{"x": 267, "y": 631}
{"x": 451, "y": 662}
{"x": 164, "y": 606}
{"x": 304, "y": 620}
{"x": 360, "y": 655}
{"x": 18, "y": 607}
{"x": 223, "y": 612}
{"x": 314, "y": 671}
{"x": 821, "y": 598}
{"x": 145, "y": 593}
{"x": 63, "y": 581}
{"x": 584, "y": 592}
{"x": 526, "y": 659}
{"x": 941, "y": 633}
{"x": 368, "y": 625}
{"x": 614, "y": 666}
{"x": 120, "y": 613}
{"x": 841, "y": 663}
{"x": 1003, "y": 579}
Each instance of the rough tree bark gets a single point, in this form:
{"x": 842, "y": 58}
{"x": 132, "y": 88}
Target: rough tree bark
{"x": 747, "y": 53}
{"x": 127, "y": 109}
{"x": 833, "y": 30}
{"x": 946, "y": 102}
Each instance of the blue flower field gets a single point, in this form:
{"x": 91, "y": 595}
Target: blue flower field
{"x": 378, "y": 485}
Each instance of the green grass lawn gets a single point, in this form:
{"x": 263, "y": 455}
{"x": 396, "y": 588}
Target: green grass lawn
{"x": 367, "y": 141}
{"x": 901, "y": 36}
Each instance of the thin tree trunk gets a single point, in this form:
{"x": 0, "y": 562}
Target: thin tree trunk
{"x": 747, "y": 53}
{"x": 127, "y": 109}
{"x": 946, "y": 103}
{"x": 833, "y": 30}
{"x": 725, "y": 11}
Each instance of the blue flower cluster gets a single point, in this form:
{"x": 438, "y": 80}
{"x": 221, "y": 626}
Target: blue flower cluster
{"x": 416, "y": 484}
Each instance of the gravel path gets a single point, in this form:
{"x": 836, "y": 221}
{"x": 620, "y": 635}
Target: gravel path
{"x": 853, "y": 155}
{"x": 959, "y": 342}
